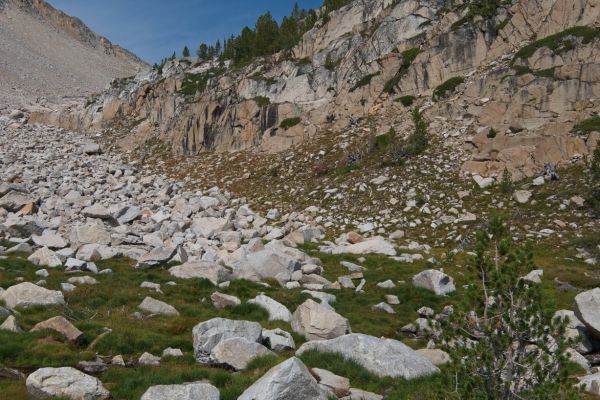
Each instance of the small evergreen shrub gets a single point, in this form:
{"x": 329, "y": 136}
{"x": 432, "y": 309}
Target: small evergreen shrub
{"x": 492, "y": 133}
{"x": 289, "y": 123}
{"x": 593, "y": 198}
{"x": 447, "y": 88}
{"x": 262, "y": 101}
{"x": 406, "y": 101}
{"x": 364, "y": 81}
{"x": 506, "y": 185}
{"x": 418, "y": 140}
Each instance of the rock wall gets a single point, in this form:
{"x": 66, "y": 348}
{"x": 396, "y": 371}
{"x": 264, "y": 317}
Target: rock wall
{"x": 340, "y": 71}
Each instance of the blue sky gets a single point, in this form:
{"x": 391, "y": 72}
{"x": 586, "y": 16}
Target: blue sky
{"x": 153, "y": 29}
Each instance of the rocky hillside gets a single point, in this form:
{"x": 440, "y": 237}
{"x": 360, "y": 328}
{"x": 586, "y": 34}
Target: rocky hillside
{"x": 47, "y": 55}
{"x": 528, "y": 72}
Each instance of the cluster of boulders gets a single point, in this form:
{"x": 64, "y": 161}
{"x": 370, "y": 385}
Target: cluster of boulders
{"x": 70, "y": 205}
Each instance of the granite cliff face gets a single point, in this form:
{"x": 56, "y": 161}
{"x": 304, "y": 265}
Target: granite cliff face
{"x": 499, "y": 70}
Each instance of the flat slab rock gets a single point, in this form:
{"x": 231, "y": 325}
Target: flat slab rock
{"x": 383, "y": 357}
{"x": 27, "y": 294}
{"x": 186, "y": 391}
{"x": 66, "y": 383}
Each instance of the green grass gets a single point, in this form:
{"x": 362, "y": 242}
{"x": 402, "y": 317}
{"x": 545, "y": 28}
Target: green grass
{"x": 111, "y": 303}
{"x": 289, "y": 123}
{"x": 587, "y": 126}
{"x": 447, "y": 88}
{"x": 559, "y": 42}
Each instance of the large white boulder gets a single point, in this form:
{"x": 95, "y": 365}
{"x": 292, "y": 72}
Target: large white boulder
{"x": 207, "y": 227}
{"x": 276, "y": 310}
{"x": 275, "y": 260}
{"x": 185, "y": 391}
{"x": 289, "y": 380}
{"x": 27, "y": 294}
{"x": 200, "y": 269}
{"x": 45, "y": 257}
{"x": 153, "y": 306}
{"x": 237, "y": 352}
{"x": 208, "y": 334}
{"x": 434, "y": 280}
{"x": 317, "y": 322}
{"x": 382, "y": 357}
{"x": 66, "y": 383}
{"x": 587, "y": 309}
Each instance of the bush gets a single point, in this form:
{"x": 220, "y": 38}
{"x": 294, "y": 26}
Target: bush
{"x": 364, "y": 81}
{"x": 587, "y": 126}
{"x": 384, "y": 141}
{"x": 447, "y": 88}
{"x": 406, "y": 101}
{"x": 289, "y": 123}
{"x": 504, "y": 342}
{"x": 492, "y": 133}
{"x": 262, "y": 101}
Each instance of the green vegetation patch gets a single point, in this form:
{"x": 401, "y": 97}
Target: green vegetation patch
{"x": 587, "y": 126}
{"x": 289, "y": 123}
{"x": 560, "y": 42}
{"x": 408, "y": 57}
{"x": 365, "y": 81}
{"x": 447, "y": 88}
{"x": 197, "y": 83}
{"x": 406, "y": 101}
{"x": 262, "y": 101}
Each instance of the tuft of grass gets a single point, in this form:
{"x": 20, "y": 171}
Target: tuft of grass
{"x": 560, "y": 42}
{"x": 289, "y": 123}
{"x": 447, "y": 88}
{"x": 587, "y": 126}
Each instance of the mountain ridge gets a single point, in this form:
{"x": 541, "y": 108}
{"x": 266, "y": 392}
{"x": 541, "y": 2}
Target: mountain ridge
{"x": 48, "y": 55}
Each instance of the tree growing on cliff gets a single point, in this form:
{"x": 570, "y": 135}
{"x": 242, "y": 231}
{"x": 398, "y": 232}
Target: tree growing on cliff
{"x": 186, "y": 52}
{"x": 503, "y": 341}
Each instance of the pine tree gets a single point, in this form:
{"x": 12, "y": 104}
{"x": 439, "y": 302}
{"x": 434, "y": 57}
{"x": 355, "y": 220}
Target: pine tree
{"x": 186, "y": 52}
{"x": 593, "y": 198}
{"x": 504, "y": 343}
{"x": 218, "y": 48}
{"x": 506, "y": 185}
{"x": 202, "y": 52}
